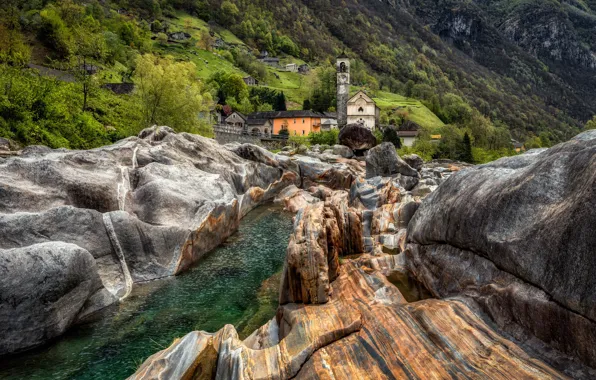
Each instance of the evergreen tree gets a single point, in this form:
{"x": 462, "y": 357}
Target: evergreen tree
{"x": 466, "y": 150}
{"x": 280, "y": 102}
{"x": 306, "y": 106}
{"x": 390, "y": 135}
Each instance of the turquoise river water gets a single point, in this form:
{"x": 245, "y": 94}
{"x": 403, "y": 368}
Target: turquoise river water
{"x": 222, "y": 288}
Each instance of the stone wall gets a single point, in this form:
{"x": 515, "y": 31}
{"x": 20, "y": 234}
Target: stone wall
{"x": 271, "y": 144}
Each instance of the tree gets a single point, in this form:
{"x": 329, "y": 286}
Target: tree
{"x": 170, "y": 93}
{"x": 88, "y": 45}
{"x": 13, "y": 50}
{"x": 591, "y": 124}
{"x": 228, "y": 13}
{"x": 280, "y": 102}
{"x": 466, "y": 150}
{"x": 306, "y": 106}
{"x": 206, "y": 41}
{"x": 390, "y": 135}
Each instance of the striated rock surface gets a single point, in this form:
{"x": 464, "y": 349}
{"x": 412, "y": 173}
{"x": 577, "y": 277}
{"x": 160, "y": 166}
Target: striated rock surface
{"x": 144, "y": 208}
{"x": 322, "y": 233}
{"x": 517, "y": 235}
{"x": 43, "y": 288}
{"x": 350, "y": 321}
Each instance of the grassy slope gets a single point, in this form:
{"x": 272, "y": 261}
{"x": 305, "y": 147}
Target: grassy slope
{"x": 295, "y": 86}
{"x": 417, "y": 112}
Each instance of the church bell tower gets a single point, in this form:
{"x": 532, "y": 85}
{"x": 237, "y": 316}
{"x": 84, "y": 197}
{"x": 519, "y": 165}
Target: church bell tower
{"x": 343, "y": 89}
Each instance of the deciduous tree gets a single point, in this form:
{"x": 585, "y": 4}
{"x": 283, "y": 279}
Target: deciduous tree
{"x": 170, "y": 93}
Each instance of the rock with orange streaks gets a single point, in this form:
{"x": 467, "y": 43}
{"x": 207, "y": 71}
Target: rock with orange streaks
{"x": 518, "y": 236}
{"x": 295, "y": 199}
{"x": 367, "y": 331}
{"x": 336, "y": 176}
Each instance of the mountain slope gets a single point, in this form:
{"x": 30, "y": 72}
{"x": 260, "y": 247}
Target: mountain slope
{"x": 528, "y": 64}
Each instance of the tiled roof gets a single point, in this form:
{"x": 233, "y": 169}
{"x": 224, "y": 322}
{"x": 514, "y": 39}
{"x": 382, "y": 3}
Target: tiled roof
{"x": 284, "y": 114}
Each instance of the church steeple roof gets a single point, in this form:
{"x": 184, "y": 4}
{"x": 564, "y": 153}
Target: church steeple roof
{"x": 342, "y": 55}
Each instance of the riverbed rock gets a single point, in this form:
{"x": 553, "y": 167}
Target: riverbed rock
{"x": 383, "y": 161}
{"x": 357, "y": 137}
{"x": 517, "y": 235}
{"x": 145, "y": 207}
{"x": 43, "y": 289}
{"x": 368, "y": 331}
{"x": 342, "y": 150}
{"x": 414, "y": 160}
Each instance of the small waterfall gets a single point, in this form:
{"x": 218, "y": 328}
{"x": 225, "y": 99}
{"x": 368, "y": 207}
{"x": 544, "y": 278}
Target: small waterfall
{"x": 135, "y": 163}
{"x": 123, "y": 187}
{"x": 107, "y": 221}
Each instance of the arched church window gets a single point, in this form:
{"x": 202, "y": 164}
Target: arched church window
{"x": 360, "y": 109}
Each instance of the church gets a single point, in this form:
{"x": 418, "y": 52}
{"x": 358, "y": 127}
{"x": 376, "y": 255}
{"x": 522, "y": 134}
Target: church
{"x": 358, "y": 109}
{"x": 363, "y": 110}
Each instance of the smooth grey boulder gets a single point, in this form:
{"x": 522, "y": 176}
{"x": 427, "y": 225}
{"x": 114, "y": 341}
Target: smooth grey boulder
{"x": 43, "y": 288}
{"x": 383, "y": 161}
{"x": 521, "y": 226}
{"x": 343, "y": 151}
{"x": 414, "y": 160}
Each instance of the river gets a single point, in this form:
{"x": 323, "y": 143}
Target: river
{"x": 224, "y": 287}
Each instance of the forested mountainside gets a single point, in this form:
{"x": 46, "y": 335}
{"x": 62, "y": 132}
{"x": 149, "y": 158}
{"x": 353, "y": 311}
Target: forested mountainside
{"x": 529, "y": 64}
{"x": 523, "y": 69}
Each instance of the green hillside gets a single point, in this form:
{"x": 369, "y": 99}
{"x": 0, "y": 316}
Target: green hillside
{"x": 409, "y": 57}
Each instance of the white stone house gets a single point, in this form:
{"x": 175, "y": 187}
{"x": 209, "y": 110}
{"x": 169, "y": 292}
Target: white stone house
{"x": 236, "y": 123}
{"x": 292, "y": 67}
{"x": 363, "y": 110}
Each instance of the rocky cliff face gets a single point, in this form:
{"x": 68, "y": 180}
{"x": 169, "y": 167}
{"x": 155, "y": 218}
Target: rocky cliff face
{"x": 470, "y": 240}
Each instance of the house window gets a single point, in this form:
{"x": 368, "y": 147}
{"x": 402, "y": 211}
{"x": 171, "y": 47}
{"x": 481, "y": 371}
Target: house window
{"x": 302, "y": 121}
{"x": 294, "y": 121}
{"x": 303, "y": 132}
{"x": 294, "y": 133}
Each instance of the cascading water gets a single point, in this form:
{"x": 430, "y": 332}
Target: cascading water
{"x": 107, "y": 221}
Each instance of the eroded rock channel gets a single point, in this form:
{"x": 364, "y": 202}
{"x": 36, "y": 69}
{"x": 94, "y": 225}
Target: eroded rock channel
{"x": 494, "y": 264}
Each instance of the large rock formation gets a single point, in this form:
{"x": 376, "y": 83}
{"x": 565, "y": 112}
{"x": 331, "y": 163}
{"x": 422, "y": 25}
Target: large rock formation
{"x": 348, "y": 321}
{"x": 144, "y": 208}
{"x": 383, "y": 161}
{"x": 517, "y": 235}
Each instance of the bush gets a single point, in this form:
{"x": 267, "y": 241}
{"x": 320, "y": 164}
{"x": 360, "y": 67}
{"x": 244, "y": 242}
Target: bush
{"x": 324, "y": 138}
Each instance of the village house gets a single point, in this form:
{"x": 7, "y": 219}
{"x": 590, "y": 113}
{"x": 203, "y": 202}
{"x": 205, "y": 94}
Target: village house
{"x": 517, "y": 146}
{"x": 408, "y": 132}
{"x": 236, "y": 123}
{"x": 292, "y": 67}
{"x": 266, "y": 59}
{"x": 259, "y": 127}
{"x": 250, "y": 81}
{"x": 296, "y": 123}
{"x": 329, "y": 121}
{"x": 363, "y": 110}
